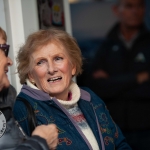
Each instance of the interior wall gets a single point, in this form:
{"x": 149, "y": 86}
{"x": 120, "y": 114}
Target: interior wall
{"x": 91, "y": 19}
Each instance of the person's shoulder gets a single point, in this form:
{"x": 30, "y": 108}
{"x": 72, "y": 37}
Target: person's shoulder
{"x": 87, "y": 89}
{"x": 19, "y": 110}
{"x": 113, "y": 32}
{"x": 92, "y": 95}
{"x": 34, "y": 142}
{"x": 112, "y": 37}
{"x": 12, "y": 95}
{"x": 12, "y": 89}
{"x": 8, "y": 96}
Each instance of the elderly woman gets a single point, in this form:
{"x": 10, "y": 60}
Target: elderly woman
{"x": 46, "y": 65}
{"x": 11, "y": 135}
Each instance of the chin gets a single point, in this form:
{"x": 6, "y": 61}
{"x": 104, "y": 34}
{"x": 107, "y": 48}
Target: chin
{"x": 56, "y": 94}
{"x": 4, "y": 87}
{"x": 7, "y": 84}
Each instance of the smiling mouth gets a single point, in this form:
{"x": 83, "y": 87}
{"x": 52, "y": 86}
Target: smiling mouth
{"x": 54, "y": 79}
{"x": 6, "y": 71}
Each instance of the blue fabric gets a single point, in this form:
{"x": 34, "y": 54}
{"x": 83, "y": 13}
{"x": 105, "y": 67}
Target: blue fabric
{"x": 70, "y": 136}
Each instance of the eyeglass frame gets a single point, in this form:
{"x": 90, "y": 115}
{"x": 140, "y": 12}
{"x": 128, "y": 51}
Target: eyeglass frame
{"x": 5, "y": 49}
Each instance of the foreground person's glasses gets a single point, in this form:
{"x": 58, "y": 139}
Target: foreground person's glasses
{"x": 5, "y": 48}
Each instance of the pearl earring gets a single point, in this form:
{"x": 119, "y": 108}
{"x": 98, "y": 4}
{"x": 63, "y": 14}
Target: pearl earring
{"x": 33, "y": 82}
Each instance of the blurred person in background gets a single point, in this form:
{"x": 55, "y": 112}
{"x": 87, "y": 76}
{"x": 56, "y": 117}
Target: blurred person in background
{"x": 11, "y": 135}
{"x": 121, "y": 72}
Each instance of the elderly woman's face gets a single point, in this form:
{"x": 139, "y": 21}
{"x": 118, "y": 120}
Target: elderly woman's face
{"x": 4, "y": 63}
{"x": 52, "y": 71}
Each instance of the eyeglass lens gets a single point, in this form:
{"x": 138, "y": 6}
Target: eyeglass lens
{"x": 5, "y": 49}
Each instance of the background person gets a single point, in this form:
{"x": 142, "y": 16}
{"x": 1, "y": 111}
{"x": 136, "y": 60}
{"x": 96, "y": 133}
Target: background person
{"x": 120, "y": 72}
{"x": 43, "y": 137}
{"x": 46, "y": 64}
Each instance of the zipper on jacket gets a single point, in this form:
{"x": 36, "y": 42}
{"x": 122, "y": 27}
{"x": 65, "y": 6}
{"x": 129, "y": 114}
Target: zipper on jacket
{"x": 73, "y": 122}
{"x": 24, "y": 135}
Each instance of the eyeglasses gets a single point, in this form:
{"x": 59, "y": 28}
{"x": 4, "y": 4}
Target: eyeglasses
{"x": 5, "y": 48}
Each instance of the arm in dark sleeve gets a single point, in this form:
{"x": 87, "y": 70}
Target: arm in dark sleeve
{"x": 108, "y": 88}
{"x": 113, "y": 85}
{"x": 33, "y": 143}
{"x": 20, "y": 114}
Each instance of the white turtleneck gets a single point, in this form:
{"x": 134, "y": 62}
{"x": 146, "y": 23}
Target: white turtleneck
{"x": 73, "y": 109}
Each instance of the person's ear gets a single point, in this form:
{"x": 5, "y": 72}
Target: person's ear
{"x": 30, "y": 76}
{"x": 73, "y": 70}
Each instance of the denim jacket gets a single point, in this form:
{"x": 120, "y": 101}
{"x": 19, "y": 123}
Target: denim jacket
{"x": 49, "y": 110}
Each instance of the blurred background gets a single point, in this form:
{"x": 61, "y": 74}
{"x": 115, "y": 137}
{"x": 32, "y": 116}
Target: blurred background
{"x": 91, "y": 20}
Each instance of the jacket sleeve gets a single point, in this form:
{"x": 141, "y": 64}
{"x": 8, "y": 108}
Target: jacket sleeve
{"x": 113, "y": 85}
{"x": 20, "y": 114}
{"x": 33, "y": 143}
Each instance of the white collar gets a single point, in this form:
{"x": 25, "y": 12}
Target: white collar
{"x": 74, "y": 89}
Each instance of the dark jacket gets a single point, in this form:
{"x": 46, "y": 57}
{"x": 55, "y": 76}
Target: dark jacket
{"x": 47, "y": 110}
{"x": 121, "y": 92}
{"x": 11, "y": 136}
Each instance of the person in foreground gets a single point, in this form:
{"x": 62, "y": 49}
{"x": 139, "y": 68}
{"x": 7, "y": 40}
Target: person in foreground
{"x": 11, "y": 134}
{"x": 46, "y": 63}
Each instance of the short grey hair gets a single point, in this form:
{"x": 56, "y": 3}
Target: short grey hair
{"x": 41, "y": 38}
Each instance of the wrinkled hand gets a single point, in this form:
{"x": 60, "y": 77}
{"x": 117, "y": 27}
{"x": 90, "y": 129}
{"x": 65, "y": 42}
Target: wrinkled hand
{"x": 100, "y": 74}
{"x": 142, "y": 77}
{"x": 49, "y": 133}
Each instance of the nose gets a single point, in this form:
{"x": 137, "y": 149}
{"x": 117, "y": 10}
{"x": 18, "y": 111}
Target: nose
{"x": 51, "y": 68}
{"x": 9, "y": 61}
